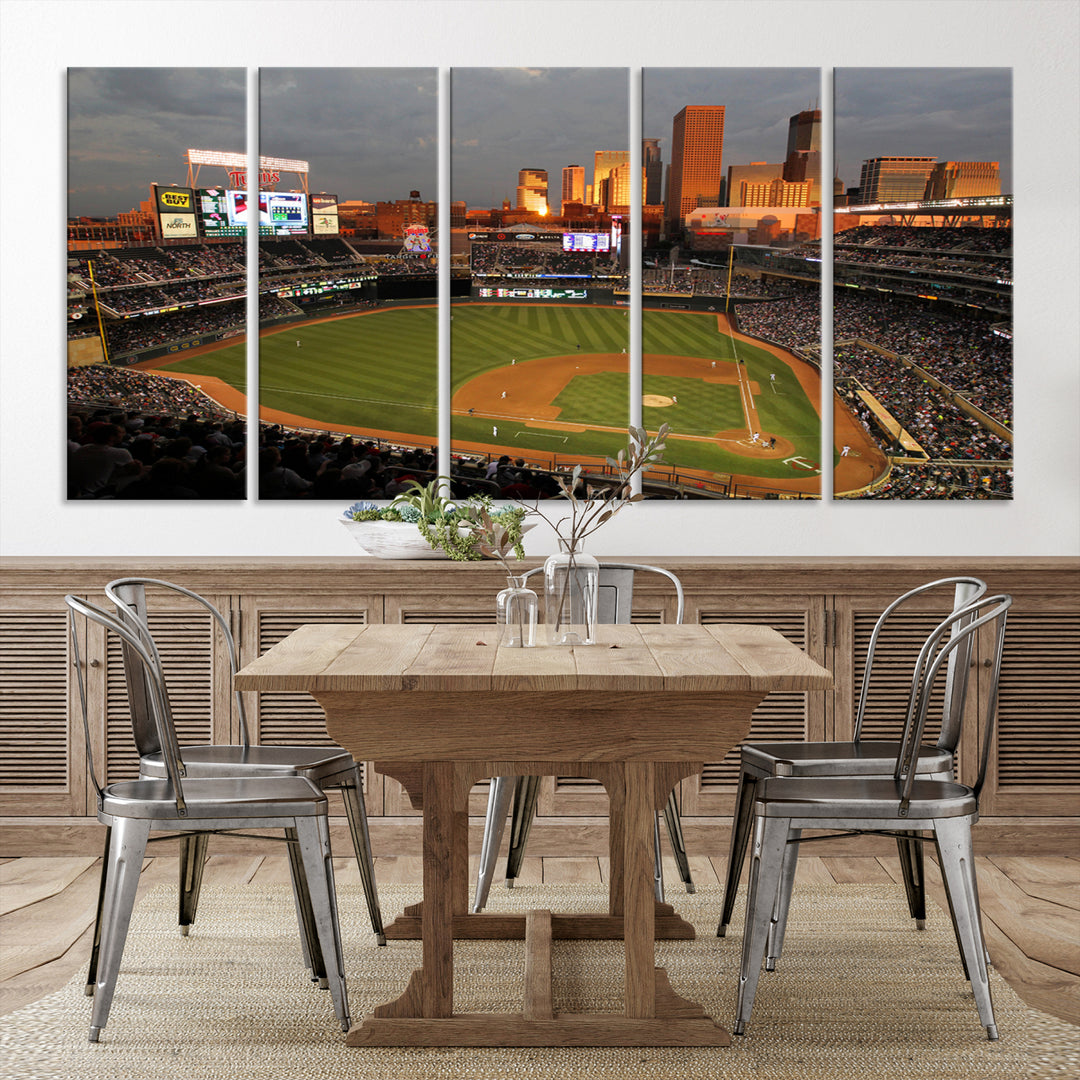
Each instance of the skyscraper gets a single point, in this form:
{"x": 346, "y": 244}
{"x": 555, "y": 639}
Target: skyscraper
{"x": 654, "y": 171}
{"x": 757, "y": 172}
{"x": 697, "y": 144}
{"x": 532, "y": 190}
{"x": 603, "y": 162}
{"x": 963, "y": 179}
{"x": 573, "y": 184}
{"x": 803, "y": 160}
{"x": 894, "y": 179}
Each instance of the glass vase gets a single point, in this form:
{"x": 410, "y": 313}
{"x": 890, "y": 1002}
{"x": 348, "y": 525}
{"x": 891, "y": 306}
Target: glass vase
{"x": 571, "y": 583}
{"x": 516, "y": 608}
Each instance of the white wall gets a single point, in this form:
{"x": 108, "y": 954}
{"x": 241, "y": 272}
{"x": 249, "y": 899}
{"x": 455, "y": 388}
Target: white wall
{"x": 1039, "y": 40}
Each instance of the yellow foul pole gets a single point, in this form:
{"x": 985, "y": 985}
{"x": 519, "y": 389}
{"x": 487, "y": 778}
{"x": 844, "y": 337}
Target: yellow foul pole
{"x": 97, "y": 310}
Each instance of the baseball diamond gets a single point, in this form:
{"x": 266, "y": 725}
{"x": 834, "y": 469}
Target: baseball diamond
{"x": 551, "y": 378}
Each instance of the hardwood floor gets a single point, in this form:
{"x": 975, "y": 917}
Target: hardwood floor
{"x": 1031, "y": 910}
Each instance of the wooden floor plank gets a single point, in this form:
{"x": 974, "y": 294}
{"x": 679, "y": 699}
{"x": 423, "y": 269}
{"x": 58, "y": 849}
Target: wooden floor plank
{"x": 572, "y": 870}
{"x": 26, "y": 881}
{"x": 856, "y": 870}
{"x": 1049, "y": 878}
{"x": 810, "y": 870}
{"x": 232, "y": 869}
{"x": 399, "y": 869}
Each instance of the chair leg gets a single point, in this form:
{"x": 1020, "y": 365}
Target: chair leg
{"x": 783, "y": 900}
{"x": 742, "y": 826}
{"x": 526, "y": 792}
{"x": 356, "y": 815}
{"x": 95, "y": 949}
{"x": 678, "y": 844}
{"x": 766, "y": 863}
{"x": 305, "y": 919}
{"x": 192, "y": 863}
{"x": 910, "y": 850}
{"x": 957, "y": 860}
{"x": 658, "y": 864}
{"x": 313, "y": 835}
{"x": 499, "y": 795}
{"x": 127, "y": 848}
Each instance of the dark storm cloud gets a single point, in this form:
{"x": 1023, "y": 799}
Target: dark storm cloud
{"x": 758, "y": 102}
{"x": 130, "y": 126}
{"x": 368, "y": 133}
{"x": 506, "y": 119}
{"x": 953, "y": 114}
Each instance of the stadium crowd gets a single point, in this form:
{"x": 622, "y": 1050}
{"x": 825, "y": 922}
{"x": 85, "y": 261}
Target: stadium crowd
{"x": 135, "y": 435}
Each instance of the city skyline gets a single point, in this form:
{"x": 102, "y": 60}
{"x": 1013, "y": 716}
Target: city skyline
{"x": 503, "y": 120}
{"x": 951, "y": 114}
{"x": 130, "y": 126}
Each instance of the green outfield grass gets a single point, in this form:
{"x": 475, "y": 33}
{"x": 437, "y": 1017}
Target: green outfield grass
{"x": 379, "y": 371}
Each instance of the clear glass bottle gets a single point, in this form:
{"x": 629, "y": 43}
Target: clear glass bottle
{"x": 571, "y": 583}
{"x": 516, "y": 611}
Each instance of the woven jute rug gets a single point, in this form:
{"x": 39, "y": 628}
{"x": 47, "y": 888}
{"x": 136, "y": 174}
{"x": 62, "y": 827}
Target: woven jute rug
{"x": 858, "y": 993}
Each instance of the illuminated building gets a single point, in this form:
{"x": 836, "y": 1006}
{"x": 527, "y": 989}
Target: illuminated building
{"x": 532, "y": 190}
{"x": 616, "y": 189}
{"x": 757, "y": 172}
{"x": 573, "y": 185}
{"x": 963, "y": 179}
{"x": 603, "y": 162}
{"x": 777, "y": 192}
{"x": 697, "y": 144}
{"x": 894, "y": 179}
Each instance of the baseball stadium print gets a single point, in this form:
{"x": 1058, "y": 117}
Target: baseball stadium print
{"x": 725, "y": 187}
{"x": 155, "y": 280}
{"x": 922, "y": 283}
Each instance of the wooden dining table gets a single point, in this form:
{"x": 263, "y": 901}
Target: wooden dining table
{"x": 439, "y": 707}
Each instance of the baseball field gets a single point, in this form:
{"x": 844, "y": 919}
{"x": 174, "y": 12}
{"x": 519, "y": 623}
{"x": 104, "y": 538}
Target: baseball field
{"x": 540, "y": 380}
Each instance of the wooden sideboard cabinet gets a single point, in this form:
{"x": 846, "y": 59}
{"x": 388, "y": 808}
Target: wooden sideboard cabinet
{"x": 826, "y": 606}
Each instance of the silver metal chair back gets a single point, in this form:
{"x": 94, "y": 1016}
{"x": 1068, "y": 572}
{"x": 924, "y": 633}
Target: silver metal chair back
{"x": 129, "y": 597}
{"x": 965, "y": 591}
{"x": 616, "y": 590}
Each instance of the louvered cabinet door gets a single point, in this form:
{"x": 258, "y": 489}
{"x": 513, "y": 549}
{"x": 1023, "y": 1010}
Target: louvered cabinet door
{"x": 196, "y": 669}
{"x": 42, "y": 754}
{"x": 1035, "y": 767}
{"x": 783, "y": 715}
{"x": 296, "y": 719}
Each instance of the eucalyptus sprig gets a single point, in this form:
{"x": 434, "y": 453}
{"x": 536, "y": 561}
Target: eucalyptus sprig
{"x": 602, "y": 502}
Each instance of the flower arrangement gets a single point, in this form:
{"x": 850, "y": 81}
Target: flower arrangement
{"x": 465, "y": 532}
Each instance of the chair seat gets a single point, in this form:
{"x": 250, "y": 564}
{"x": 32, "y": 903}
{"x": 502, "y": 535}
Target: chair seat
{"x": 863, "y": 758}
{"x": 314, "y": 762}
{"x": 861, "y": 798}
{"x": 219, "y": 797}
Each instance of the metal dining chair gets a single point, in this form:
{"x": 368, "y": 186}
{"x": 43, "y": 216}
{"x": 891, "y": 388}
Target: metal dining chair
{"x": 858, "y": 757}
{"x": 329, "y": 767}
{"x": 939, "y": 810}
{"x": 519, "y": 793}
{"x": 180, "y": 803}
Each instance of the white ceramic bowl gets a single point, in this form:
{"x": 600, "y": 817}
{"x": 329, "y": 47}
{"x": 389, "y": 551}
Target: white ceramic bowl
{"x": 396, "y": 539}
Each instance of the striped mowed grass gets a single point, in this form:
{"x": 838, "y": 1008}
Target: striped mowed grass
{"x": 378, "y": 370}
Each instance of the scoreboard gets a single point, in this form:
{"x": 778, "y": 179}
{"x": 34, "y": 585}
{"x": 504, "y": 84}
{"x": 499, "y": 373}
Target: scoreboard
{"x": 223, "y": 212}
{"x": 590, "y": 241}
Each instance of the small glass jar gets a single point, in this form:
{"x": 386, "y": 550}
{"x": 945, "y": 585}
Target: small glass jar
{"x": 516, "y": 607}
{"x": 571, "y": 589}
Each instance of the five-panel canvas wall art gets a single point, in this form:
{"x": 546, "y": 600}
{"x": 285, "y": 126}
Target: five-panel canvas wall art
{"x": 792, "y": 267}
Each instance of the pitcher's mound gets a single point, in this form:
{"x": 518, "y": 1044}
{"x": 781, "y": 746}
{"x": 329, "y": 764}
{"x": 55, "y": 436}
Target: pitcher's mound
{"x": 656, "y": 401}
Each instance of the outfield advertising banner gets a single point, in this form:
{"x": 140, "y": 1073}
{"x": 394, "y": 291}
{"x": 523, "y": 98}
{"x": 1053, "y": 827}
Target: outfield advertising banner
{"x": 174, "y": 200}
{"x": 173, "y": 225}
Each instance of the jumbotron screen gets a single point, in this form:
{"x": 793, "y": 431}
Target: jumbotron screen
{"x": 588, "y": 241}
{"x": 225, "y": 213}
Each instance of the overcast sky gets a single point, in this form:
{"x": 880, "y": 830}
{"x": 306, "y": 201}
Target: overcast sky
{"x": 953, "y": 114}
{"x": 370, "y": 133}
{"x": 128, "y": 127}
{"x": 506, "y": 119}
